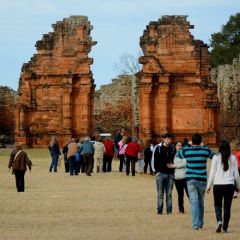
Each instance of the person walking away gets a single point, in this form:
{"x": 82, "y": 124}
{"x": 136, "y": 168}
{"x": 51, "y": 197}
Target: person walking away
{"x": 64, "y": 152}
{"x": 99, "y": 150}
{"x": 108, "y": 156}
{"x": 180, "y": 177}
{"x": 223, "y": 174}
{"x": 87, "y": 152}
{"x": 141, "y": 158}
{"x": 55, "y": 153}
{"x": 236, "y": 152}
{"x": 147, "y": 158}
{"x": 132, "y": 151}
{"x": 18, "y": 162}
{"x": 118, "y": 136}
{"x": 71, "y": 155}
{"x": 196, "y": 173}
{"x": 162, "y": 165}
{"x": 121, "y": 154}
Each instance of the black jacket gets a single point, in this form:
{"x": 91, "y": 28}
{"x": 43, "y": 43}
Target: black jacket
{"x": 162, "y": 156}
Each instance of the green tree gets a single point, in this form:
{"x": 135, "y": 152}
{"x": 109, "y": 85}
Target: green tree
{"x": 226, "y": 43}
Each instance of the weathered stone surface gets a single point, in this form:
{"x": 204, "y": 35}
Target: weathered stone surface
{"x": 7, "y": 105}
{"x": 114, "y": 105}
{"x": 227, "y": 78}
{"x": 56, "y": 87}
{"x": 175, "y": 91}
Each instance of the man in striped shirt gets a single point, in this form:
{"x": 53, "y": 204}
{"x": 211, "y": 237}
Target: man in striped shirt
{"x": 196, "y": 173}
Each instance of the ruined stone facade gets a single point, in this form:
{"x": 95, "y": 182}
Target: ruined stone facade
{"x": 56, "y": 87}
{"x": 227, "y": 78}
{"x": 175, "y": 91}
{"x": 114, "y": 106}
{"x": 7, "y": 105}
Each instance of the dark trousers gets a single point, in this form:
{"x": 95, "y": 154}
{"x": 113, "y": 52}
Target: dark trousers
{"x": 19, "y": 176}
{"x": 66, "y": 165}
{"x": 147, "y": 162}
{"x": 181, "y": 184}
{"x": 88, "y": 161}
{"x": 131, "y": 160}
{"x": 72, "y": 165}
{"x": 221, "y": 192}
{"x": 121, "y": 160}
{"x": 82, "y": 166}
{"x": 78, "y": 165}
{"x": 107, "y": 163}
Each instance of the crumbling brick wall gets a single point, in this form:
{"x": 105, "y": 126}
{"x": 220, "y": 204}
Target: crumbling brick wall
{"x": 113, "y": 105}
{"x": 175, "y": 91}
{"x": 56, "y": 86}
{"x": 7, "y": 106}
{"x": 227, "y": 78}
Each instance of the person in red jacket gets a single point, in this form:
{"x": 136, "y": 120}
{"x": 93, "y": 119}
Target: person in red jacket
{"x": 236, "y": 152}
{"x": 131, "y": 153}
{"x": 108, "y": 156}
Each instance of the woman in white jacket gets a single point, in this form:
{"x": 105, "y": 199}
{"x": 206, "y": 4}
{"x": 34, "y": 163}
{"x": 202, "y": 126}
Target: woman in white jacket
{"x": 223, "y": 175}
{"x": 180, "y": 177}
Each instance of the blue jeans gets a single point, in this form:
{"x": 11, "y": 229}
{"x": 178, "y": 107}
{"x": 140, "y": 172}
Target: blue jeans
{"x": 164, "y": 183}
{"x": 54, "y": 163}
{"x": 196, "y": 191}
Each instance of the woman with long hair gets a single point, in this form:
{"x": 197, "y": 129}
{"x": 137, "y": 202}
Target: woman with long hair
{"x": 55, "y": 152}
{"x": 180, "y": 177}
{"x": 223, "y": 175}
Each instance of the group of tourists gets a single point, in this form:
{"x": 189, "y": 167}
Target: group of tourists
{"x": 188, "y": 166}
{"x": 83, "y": 155}
{"x": 183, "y": 163}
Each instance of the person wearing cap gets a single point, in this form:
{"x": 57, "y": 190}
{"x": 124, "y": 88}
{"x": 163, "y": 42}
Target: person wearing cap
{"x": 18, "y": 162}
{"x": 132, "y": 151}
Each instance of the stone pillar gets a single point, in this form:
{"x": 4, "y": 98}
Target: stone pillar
{"x": 17, "y": 119}
{"x": 145, "y": 112}
{"x": 85, "y": 94}
{"x": 66, "y": 107}
{"x": 164, "y": 111}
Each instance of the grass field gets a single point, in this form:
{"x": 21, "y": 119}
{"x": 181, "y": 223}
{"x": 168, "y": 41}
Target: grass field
{"x": 104, "y": 206}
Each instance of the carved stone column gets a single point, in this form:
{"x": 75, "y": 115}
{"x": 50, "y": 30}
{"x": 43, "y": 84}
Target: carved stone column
{"x": 164, "y": 111}
{"x": 145, "y": 112}
{"x": 85, "y": 111}
{"x": 66, "y": 106}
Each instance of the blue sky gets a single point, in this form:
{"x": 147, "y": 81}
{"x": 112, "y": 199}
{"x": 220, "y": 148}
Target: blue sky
{"x": 117, "y": 27}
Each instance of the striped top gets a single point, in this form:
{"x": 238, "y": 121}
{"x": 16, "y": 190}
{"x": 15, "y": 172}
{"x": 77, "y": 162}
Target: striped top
{"x": 196, "y": 161}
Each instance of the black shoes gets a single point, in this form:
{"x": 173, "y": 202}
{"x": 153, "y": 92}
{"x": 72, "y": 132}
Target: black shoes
{"x": 219, "y": 227}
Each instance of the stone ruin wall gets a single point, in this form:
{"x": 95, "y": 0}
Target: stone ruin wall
{"x": 175, "y": 92}
{"x": 227, "y": 78}
{"x": 114, "y": 106}
{"x": 56, "y": 86}
{"x": 8, "y": 98}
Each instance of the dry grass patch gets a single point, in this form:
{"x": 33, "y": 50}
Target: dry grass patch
{"x": 104, "y": 206}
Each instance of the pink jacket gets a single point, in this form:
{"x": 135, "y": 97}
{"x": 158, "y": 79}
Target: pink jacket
{"x": 122, "y": 148}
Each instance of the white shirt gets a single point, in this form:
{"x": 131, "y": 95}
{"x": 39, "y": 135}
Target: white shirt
{"x": 220, "y": 177}
{"x": 180, "y": 170}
